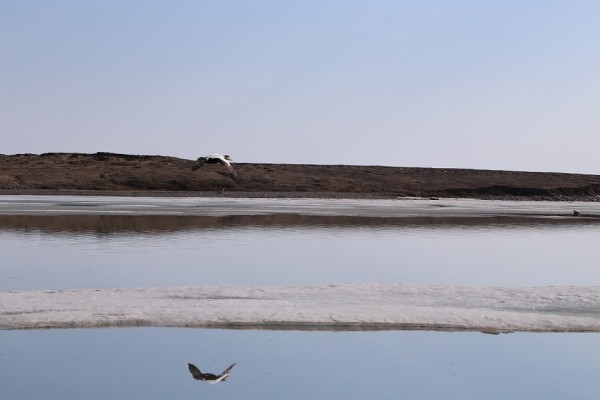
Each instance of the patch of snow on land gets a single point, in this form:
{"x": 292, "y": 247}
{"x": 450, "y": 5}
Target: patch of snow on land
{"x": 327, "y": 307}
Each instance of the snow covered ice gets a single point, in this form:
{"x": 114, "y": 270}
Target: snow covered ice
{"x": 327, "y": 307}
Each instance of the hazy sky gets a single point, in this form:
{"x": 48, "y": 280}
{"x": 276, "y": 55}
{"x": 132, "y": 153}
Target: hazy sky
{"x": 462, "y": 84}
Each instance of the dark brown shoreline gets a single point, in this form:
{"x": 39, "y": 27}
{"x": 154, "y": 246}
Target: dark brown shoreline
{"x": 110, "y": 174}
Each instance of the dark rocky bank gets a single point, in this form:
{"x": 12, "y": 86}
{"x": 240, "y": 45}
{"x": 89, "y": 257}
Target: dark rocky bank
{"x": 124, "y": 174}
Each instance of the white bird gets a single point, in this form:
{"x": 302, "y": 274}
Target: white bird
{"x": 208, "y": 377}
{"x": 215, "y": 158}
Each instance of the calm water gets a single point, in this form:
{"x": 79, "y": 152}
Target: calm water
{"x": 150, "y": 253}
{"x": 68, "y": 250}
{"x": 144, "y": 363}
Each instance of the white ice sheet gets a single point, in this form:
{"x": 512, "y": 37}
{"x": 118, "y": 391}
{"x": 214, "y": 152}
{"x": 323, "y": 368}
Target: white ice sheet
{"x": 330, "y": 307}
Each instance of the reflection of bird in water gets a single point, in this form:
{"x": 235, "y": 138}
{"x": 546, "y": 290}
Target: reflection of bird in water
{"x": 215, "y": 158}
{"x": 208, "y": 377}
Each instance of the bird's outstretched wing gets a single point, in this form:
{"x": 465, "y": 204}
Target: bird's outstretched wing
{"x": 195, "y": 372}
{"x": 227, "y": 165}
{"x": 199, "y": 163}
{"x": 225, "y": 374}
{"x": 228, "y": 370}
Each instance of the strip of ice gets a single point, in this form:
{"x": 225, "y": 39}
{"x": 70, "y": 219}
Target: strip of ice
{"x": 325, "y": 307}
{"x": 206, "y": 206}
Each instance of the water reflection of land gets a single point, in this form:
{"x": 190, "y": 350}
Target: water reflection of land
{"x": 169, "y": 223}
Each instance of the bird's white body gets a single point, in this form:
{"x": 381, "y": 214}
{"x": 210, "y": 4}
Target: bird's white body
{"x": 216, "y": 380}
{"x": 215, "y": 158}
{"x": 220, "y": 158}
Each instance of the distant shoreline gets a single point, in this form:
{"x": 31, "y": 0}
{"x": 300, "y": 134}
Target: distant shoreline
{"x": 206, "y": 193}
{"x": 110, "y": 174}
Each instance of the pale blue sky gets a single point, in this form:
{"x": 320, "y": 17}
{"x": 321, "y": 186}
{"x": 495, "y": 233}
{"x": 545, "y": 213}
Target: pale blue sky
{"x": 465, "y": 84}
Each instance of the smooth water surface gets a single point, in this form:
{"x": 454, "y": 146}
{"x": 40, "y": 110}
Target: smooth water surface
{"x": 151, "y": 363}
{"x": 75, "y": 252}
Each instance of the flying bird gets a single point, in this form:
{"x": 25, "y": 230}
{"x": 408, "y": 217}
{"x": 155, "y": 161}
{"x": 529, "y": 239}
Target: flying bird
{"x": 215, "y": 158}
{"x": 208, "y": 377}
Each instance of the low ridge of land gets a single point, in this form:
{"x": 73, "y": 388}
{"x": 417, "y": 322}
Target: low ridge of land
{"x": 124, "y": 174}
